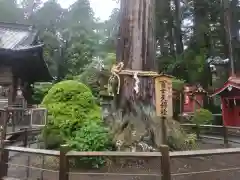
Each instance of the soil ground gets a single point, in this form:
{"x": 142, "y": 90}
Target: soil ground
{"x": 147, "y": 169}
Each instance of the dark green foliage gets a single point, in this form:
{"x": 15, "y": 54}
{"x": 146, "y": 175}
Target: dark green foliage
{"x": 40, "y": 90}
{"x": 178, "y": 84}
{"x": 202, "y": 116}
{"x": 179, "y": 140}
{"x": 92, "y": 136}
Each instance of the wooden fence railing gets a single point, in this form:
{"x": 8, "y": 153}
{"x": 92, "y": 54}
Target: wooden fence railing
{"x": 164, "y": 155}
{"x": 216, "y": 132}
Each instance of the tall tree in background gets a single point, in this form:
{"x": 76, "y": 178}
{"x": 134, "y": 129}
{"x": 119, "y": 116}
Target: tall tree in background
{"x": 170, "y": 27}
{"x": 68, "y": 34}
{"x": 233, "y": 13}
{"x": 196, "y": 25}
{"x": 178, "y": 28}
{"x": 9, "y": 11}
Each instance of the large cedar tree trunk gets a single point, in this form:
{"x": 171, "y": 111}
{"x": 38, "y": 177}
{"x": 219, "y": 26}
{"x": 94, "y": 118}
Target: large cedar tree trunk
{"x": 136, "y": 48}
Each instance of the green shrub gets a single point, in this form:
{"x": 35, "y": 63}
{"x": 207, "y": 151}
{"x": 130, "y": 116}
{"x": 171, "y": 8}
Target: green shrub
{"x": 70, "y": 103}
{"x": 73, "y": 114}
{"x": 202, "y": 116}
{"x": 180, "y": 141}
{"x": 178, "y": 84}
{"x": 92, "y": 136}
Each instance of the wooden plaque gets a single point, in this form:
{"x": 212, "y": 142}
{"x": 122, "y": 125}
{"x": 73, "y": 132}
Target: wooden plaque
{"x": 163, "y": 90}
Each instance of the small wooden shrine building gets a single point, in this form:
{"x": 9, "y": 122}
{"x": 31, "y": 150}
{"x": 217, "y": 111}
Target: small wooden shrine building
{"x": 193, "y": 98}
{"x": 230, "y": 101}
{"x": 21, "y": 61}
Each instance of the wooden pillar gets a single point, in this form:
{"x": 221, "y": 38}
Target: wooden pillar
{"x": 12, "y": 91}
{"x": 165, "y": 163}
{"x": 64, "y": 163}
{"x": 3, "y": 153}
{"x": 27, "y": 92}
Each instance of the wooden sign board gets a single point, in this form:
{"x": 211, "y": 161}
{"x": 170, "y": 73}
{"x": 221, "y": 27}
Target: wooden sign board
{"x": 164, "y": 94}
{"x": 38, "y": 117}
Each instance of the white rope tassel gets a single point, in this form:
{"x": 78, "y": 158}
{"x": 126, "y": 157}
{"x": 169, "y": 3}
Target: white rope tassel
{"x": 136, "y": 87}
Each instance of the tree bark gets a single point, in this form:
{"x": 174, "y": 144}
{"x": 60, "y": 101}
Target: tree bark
{"x": 224, "y": 39}
{"x": 228, "y": 35}
{"x": 136, "y": 49}
{"x": 170, "y": 28}
{"x": 161, "y": 33}
{"x": 235, "y": 34}
{"x": 178, "y": 30}
{"x": 201, "y": 25}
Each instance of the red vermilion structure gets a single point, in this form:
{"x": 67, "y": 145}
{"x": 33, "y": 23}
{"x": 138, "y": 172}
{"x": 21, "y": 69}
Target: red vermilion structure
{"x": 230, "y": 98}
{"x": 193, "y": 98}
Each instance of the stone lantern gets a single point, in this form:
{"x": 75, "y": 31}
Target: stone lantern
{"x": 20, "y": 100}
{"x": 106, "y": 104}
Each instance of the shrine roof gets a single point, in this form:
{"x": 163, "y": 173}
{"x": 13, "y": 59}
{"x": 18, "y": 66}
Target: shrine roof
{"x": 16, "y": 35}
{"x": 194, "y": 89}
{"x": 19, "y": 44}
{"x": 232, "y": 81}
{"x": 164, "y": 75}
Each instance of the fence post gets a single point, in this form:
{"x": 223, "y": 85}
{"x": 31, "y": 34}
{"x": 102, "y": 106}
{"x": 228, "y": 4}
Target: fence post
{"x": 25, "y": 140}
{"x": 165, "y": 163}
{"x": 225, "y": 136}
{"x": 4, "y": 154}
{"x": 3, "y": 163}
{"x": 197, "y": 131}
{"x": 64, "y": 163}
{"x": 164, "y": 130}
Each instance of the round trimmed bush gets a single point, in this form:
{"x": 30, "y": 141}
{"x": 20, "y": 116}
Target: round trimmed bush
{"x": 69, "y": 101}
{"x": 70, "y": 104}
{"x": 74, "y": 118}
